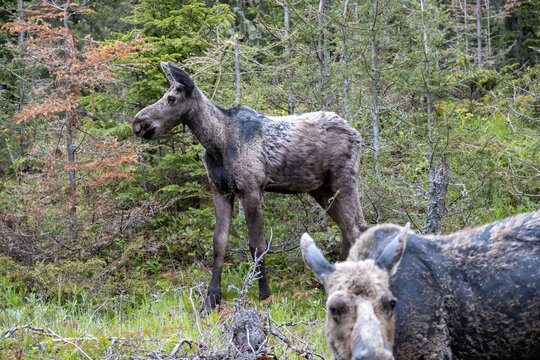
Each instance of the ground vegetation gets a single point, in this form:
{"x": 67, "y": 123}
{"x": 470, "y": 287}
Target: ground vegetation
{"x": 99, "y": 229}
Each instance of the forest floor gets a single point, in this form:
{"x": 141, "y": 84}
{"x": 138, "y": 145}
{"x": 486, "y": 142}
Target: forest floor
{"x": 166, "y": 323}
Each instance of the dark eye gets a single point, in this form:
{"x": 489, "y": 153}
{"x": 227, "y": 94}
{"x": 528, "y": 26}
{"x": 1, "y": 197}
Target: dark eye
{"x": 388, "y": 302}
{"x": 337, "y": 308}
{"x": 334, "y": 312}
{"x": 171, "y": 99}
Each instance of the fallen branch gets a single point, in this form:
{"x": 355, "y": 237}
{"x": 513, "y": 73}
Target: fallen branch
{"x": 304, "y": 351}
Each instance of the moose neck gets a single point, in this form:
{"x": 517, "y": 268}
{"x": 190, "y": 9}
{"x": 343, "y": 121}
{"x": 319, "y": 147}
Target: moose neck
{"x": 208, "y": 124}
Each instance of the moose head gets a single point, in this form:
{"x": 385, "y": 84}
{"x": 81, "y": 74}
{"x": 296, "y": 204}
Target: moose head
{"x": 361, "y": 308}
{"x": 174, "y": 108}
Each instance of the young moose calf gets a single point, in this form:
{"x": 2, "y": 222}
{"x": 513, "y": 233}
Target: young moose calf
{"x": 246, "y": 152}
{"x": 474, "y": 294}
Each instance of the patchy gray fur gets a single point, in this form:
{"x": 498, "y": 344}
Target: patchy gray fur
{"x": 473, "y": 294}
{"x": 247, "y": 152}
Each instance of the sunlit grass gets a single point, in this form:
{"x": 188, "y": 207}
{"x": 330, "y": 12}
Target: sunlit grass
{"x": 82, "y": 329}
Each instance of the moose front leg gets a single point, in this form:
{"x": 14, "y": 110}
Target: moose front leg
{"x": 251, "y": 202}
{"x": 223, "y": 204}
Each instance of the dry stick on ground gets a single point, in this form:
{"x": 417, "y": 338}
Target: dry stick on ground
{"x": 71, "y": 343}
{"x": 194, "y": 311}
{"x": 302, "y": 351}
{"x": 50, "y": 333}
{"x": 241, "y": 303}
{"x": 273, "y": 328}
{"x": 252, "y": 275}
{"x": 248, "y": 281}
{"x": 57, "y": 338}
{"x": 115, "y": 341}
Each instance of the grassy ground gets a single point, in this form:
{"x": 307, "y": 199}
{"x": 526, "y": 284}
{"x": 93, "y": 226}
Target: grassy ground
{"x": 159, "y": 323}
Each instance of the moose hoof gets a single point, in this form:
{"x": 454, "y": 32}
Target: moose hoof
{"x": 210, "y": 303}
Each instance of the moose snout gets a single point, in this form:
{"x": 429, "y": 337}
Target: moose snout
{"x": 371, "y": 354}
{"x": 368, "y": 342}
{"x": 140, "y": 123}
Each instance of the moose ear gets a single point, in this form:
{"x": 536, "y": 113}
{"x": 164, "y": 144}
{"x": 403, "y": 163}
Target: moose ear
{"x": 314, "y": 259}
{"x": 391, "y": 256}
{"x": 166, "y": 71}
{"x": 181, "y": 77}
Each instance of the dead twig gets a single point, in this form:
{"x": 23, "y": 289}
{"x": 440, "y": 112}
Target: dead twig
{"x": 252, "y": 275}
{"x": 303, "y": 350}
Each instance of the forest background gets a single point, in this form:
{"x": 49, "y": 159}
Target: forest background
{"x": 99, "y": 229}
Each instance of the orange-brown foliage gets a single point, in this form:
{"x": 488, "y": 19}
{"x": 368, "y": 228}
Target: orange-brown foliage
{"x": 49, "y": 108}
{"x": 73, "y": 67}
{"x": 110, "y": 162}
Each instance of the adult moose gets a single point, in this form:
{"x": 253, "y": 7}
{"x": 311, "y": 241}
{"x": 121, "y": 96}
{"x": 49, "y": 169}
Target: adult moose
{"x": 246, "y": 152}
{"x": 473, "y": 294}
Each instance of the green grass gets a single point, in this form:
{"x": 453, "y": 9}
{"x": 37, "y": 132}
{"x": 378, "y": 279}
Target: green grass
{"x": 83, "y": 329}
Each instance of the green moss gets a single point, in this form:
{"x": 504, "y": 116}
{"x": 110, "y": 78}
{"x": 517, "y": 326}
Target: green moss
{"x": 7, "y": 266}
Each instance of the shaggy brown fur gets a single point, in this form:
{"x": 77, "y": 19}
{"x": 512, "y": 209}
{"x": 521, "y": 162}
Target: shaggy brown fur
{"x": 474, "y": 294}
{"x": 247, "y": 152}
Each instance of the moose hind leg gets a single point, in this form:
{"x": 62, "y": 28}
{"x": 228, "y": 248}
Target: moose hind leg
{"x": 223, "y": 204}
{"x": 251, "y": 203}
{"x": 344, "y": 208}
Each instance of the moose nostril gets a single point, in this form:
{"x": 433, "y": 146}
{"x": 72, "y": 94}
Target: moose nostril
{"x": 371, "y": 354}
{"x": 365, "y": 355}
{"x": 137, "y": 127}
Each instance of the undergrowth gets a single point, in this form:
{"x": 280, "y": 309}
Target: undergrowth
{"x": 163, "y": 318}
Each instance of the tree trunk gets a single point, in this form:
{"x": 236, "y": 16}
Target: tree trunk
{"x": 320, "y": 55}
{"x": 373, "y": 9}
{"x": 237, "y": 70}
{"x": 346, "y": 63}
{"x": 466, "y": 26}
{"x": 72, "y": 182}
{"x": 69, "y": 121}
{"x": 439, "y": 177}
{"x": 515, "y": 22}
{"x": 479, "y": 31}
{"x": 22, "y": 145}
{"x": 328, "y": 95}
{"x": 287, "y": 23}
{"x": 488, "y": 33}
{"x": 426, "y": 83}
{"x": 142, "y": 166}
{"x": 438, "y": 187}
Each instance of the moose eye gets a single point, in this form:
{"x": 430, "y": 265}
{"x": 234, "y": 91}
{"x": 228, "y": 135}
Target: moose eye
{"x": 171, "y": 99}
{"x": 334, "y": 312}
{"x": 389, "y": 302}
{"x": 337, "y": 308}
